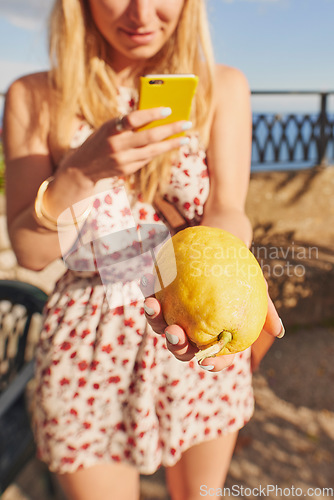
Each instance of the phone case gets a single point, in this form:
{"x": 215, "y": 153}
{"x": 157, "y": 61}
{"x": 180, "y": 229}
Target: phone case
{"x": 173, "y": 91}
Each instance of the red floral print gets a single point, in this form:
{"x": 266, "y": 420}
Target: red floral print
{"x": 107, "y": 387}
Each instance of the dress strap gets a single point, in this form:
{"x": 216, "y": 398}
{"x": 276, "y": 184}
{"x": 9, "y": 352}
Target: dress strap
{"x": 171, "y": 215}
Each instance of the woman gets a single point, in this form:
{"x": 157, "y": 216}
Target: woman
{"x": 112, "y": 400}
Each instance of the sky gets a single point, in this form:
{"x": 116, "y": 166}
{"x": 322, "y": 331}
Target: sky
{"x": 278, "y": 44}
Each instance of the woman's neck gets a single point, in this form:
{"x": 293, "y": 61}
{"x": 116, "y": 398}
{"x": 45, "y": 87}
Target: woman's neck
{"x": 128, "y": 76}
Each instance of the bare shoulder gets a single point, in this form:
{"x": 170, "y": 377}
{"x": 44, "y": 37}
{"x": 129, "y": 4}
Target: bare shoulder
{"x": 229, "y": 77}
{"x": 29, "y": 88}
{"x": 230, "y": 83}
{"x": 27, "y": 108}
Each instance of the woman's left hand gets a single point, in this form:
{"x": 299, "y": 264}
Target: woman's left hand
{"x": 272, "y": 324}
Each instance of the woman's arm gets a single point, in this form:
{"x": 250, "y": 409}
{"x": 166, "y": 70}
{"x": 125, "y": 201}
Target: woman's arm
{"x": 107, "y": 152}
{"x": 229, "y": 154}
{"x": 28, "y": 163}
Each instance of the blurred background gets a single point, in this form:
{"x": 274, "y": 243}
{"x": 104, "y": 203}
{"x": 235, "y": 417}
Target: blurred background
{"x": 285, "y": 48}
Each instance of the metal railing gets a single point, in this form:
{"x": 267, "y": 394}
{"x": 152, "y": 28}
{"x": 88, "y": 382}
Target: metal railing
{"x": 292, "y": 139}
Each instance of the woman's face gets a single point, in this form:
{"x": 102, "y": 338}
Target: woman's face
{"x": 135, "y": 29}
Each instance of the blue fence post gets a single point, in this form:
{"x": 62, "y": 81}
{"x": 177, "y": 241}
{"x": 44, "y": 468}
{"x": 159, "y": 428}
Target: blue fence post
{"x": 323, "y": 136}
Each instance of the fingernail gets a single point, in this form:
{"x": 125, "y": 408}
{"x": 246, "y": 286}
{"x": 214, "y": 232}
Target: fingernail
{"x": 184, "y": 141}
{"x": 282, "y": 333}
{"x": 144, "y": 281}
{"x": 186, "y": 125}
{"x": 172, "y": 339}
{"x": 166, "y": 111}
{"x": 149, "y": 310}
{"x": 209, "y": 367}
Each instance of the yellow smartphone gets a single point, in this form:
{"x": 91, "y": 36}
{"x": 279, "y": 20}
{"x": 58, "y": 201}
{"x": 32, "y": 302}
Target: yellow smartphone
{"x": 172, "y": 91}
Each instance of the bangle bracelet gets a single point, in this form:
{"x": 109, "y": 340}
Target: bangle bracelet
{"x": 51, "y": 222}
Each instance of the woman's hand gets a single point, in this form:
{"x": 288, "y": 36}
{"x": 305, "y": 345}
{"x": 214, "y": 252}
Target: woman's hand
{"x": 177, "y": 340}
{"x": 117, "y": 148}
{"x": 273, "y": 324}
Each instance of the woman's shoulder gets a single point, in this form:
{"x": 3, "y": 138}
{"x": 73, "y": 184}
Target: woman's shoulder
{"x": 27, "y": 113}
{"x": 231, "y": 99}
{"x": 29, "y": 91}
{"x": 229, "y": 81}
{"x": 28, "y": 100}
{"x": 29, "y": 86}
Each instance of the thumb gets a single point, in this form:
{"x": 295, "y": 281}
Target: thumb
{"x": 273, "y": 324}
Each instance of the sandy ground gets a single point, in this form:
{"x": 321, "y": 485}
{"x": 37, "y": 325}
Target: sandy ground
{"x": 288, "y": 446}
{"x": 292, "y": 214}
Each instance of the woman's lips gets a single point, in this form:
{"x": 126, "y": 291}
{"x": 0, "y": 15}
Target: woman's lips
{"x": 140, "y": 38}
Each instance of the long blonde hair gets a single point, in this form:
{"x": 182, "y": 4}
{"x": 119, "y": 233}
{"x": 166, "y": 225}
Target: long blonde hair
{"x": 85, "y": 82}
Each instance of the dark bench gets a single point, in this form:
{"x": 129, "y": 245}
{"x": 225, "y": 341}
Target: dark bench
{"x": 21, "y": 306}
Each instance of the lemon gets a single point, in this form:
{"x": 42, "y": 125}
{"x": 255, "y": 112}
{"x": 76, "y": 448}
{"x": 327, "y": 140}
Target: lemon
{"x": 210, "y": 284}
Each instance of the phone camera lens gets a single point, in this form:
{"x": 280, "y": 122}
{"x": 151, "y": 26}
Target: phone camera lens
{"x": 156, "y": 82}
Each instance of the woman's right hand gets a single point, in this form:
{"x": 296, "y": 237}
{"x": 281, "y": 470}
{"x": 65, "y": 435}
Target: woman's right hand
{"x": 177, "y": 341}
{"x": 114, "y": 151}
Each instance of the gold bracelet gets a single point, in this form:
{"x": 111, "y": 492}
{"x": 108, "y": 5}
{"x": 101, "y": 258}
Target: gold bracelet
{"x": 51, "y": 222}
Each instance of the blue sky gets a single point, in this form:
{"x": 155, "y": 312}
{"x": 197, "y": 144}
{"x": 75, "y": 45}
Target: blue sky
{"x": 278, "y": 44}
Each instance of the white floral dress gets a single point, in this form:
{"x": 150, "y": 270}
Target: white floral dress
{"x": 107, "y": 388}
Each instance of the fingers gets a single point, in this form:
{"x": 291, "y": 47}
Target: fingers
{"x": 154, "y": 315}
{"x": 126, "y": 127}
{"x": 273, "y": 324}
{"x": 177, "y": 341}
{"x": 129, "y": 150}
{"x": 147, "y": 285}
{"x": 159, "y": 133}
{"x": 137, "y": 119}
{"x": 218, "y": 363}
{"x": 121, "y": 123}
{"x": 140, "y": 118}
{"x": 151, "y": 149}
{"x": 123, "y": 149}
{"x": 118, "y": 149}
{"x": 152, "y": 306}
{"x": 179, "y": 345}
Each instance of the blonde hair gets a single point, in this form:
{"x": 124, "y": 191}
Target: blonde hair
{"x": 86, "y": 85}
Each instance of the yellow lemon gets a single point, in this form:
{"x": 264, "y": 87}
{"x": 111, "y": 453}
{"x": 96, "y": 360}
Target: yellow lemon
{"x": 210, "y": 284}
